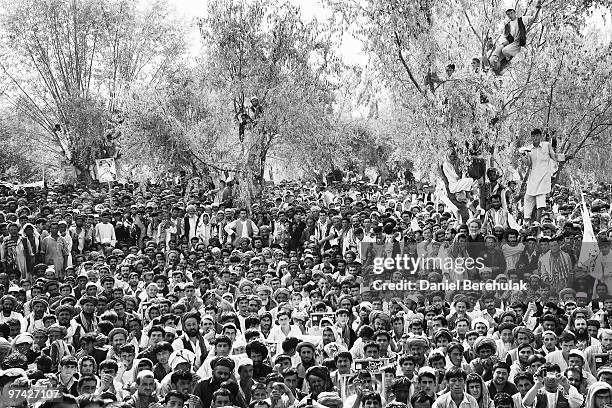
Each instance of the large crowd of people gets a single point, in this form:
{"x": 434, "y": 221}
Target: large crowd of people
{"x": 170, "y": 296}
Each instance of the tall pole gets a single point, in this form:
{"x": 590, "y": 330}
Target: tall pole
{"x": 110, "y": 195}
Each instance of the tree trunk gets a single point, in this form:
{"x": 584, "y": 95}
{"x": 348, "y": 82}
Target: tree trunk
{"x": 461, "y": 207}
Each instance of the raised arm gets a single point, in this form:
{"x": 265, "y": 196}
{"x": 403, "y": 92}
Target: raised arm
{"x": 558, "y": 157}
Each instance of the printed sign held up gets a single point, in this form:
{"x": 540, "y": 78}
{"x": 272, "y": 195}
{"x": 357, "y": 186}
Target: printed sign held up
{"x": 106, "y": 170}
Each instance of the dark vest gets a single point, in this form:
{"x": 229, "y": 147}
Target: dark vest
{"x": 542, "y": 401}
{"x": 187, "y": 345}
{"x": 188, "y": 226}
{"x": 522, "y": 35}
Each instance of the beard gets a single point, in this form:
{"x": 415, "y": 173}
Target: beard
{"x": 192, "y": 332}
{"x": 581, "y": 334}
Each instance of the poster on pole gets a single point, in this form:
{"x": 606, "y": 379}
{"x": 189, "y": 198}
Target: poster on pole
{"x": 106, "y": 170}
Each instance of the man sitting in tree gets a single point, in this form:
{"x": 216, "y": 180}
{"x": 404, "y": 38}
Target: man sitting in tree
{"x": 515, "y": 37}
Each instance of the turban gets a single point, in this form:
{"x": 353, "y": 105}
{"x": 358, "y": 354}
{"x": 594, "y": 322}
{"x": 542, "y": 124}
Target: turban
{"x": 143, "y": 361}
{"x": 41, "y": 300}
{"x": 39, "y": 331}
{"x": 57, "y": 329}
{"x": 182, "y": 355}
{"x": 329, "y": 399}
{"x": 115, "y": 302}
{"x": 318, "y": 371}
{"x": 244, "y": 283}
{"x": 480, "y": 320}
{"x": 23, "y": 338}
{"x": 280, "y": 291}
{"x": 428, "y": 370}
{"x": 485, "y": 341}
{"x": 417, "y": 341}
{"x": 89, "y": 299}
{"x": 524, "y": 330}
{"x": 64, "y": 308}
{"x": 264, "y": 289}
{"x": 176, "y": 361}
{"x": 223, "y": 362}
{"x": 116, "y": 331}
{"x": 524, "y": 345}
{"x": 604, "y": 369}
{"x": 192, "y": 315}
{"x": 129, "y": 298}
{"x": 593, "y": 322}
{"x": 303, "y": 344}
{"x": 9, "y": 297}
{"x": 244, "y": 363}
{"x": 578, "y": 353}
{"x": 455, "y": 345}
{"x": 441, "y": 333}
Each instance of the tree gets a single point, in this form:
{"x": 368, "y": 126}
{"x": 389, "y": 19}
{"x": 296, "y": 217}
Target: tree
{"x": 71, "y": 63}
{"x": 262, "y": 49}
{"x": 16, "y": 164}
{"x": 559, "y": 82}
{"x": 177, "y": 125}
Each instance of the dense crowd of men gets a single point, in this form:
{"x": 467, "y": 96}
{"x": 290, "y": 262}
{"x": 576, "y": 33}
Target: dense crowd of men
{"x": 162, "y": 296}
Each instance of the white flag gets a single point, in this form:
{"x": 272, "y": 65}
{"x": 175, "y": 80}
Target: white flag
{"x": 512, "y": 222}
{"x": 589, "y": 249}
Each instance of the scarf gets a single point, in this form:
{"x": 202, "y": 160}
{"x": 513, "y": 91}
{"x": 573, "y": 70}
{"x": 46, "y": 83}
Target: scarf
{"x": 345, "y": 334}
{"x": 31, "y": 323}
{"x": 10, "y": 251}
{"x": 59, "y": 349}
{"x": 71, "y": 331}
{"x": 559, "y": 268}
{"x": 30, "y": 251}
{"x": 89, "y": 324}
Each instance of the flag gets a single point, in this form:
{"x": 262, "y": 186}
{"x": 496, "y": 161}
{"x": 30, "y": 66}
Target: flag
{"x": 512, "y": 222}
{"x": 589, "y": 249}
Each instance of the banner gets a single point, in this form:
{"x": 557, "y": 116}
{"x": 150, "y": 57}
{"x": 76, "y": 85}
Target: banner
{"x": 38, "y": 184}
{"x": 315, "y": 318}
{"x": 589, "y": 249}
{"x": 106, "y": 170}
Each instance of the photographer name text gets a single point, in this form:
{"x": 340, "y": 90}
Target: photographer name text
{"x": 449, "y": 285}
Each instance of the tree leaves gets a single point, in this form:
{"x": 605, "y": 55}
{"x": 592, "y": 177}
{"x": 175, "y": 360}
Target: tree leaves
{"x": 75, "y": 62}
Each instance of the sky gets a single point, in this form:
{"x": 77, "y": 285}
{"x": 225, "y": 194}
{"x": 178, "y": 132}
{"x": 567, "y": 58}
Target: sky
{"x": 350, "y": 48}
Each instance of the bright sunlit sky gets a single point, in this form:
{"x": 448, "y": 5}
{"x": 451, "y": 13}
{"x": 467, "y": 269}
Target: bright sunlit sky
{"x": 350, "y": 50}
{"x": 351, "y": 47}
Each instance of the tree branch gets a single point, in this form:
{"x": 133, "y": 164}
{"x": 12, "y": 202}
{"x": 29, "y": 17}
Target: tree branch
{"x": 398, "y": 42}
{"x": 482, "y": 42}
{"x": 552, "y": 88}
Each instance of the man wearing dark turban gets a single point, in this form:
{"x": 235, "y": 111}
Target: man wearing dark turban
{"x": 222, "y": 369}
{"x": 485, "y": 349}
{"x": 258, "y": 352}
{"x": 319, "y": 381}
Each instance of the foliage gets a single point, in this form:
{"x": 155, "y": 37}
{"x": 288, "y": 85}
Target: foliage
{"x": 17, "y": 165}
{"x": 559, "y": 82}
{"x": 177, "y": 125}
{"x": 70, "y": 64}
{"x": 263, "y": 49}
